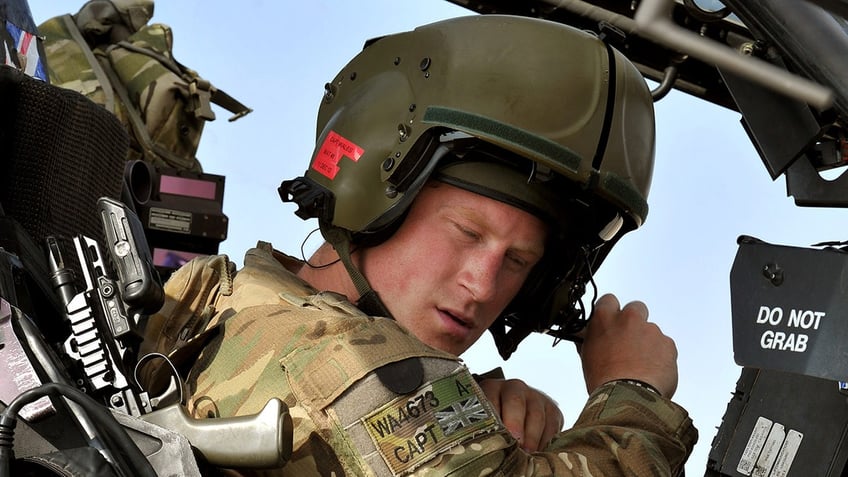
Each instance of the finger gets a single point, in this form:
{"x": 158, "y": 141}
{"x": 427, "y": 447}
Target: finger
{"x": 491, "y": 388}
{"x": 508, "y": 403}
{"x": 606, "y": 308}
{"x": 535, "y": 423}
{"x": 514, "y": 410}
{"x": 635, "y": 309}
{"x": 554, "y": 422}
{"x": 608, "y": 303}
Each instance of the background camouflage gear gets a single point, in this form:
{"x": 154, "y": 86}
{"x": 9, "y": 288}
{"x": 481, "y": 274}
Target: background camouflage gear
{"x": 280, "y": 338}
{"x": 108, "y": 53}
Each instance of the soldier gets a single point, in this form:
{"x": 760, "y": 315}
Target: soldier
{"x": 469, "y": 175}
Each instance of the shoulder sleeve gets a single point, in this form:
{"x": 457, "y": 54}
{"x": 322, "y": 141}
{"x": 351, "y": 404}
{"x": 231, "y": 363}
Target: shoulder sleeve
{"x": 628, "y": 430}
{"x": 623, "y": 430}
{"x": 448, "y": 427}
{"x": 191, "y": 295}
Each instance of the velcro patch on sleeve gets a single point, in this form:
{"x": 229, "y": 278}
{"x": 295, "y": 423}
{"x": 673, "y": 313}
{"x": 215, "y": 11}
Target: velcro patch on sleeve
{"x": 414, "y": 428}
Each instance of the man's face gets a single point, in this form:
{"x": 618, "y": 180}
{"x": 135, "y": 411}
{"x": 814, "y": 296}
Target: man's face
{"x": 454, "y": 264}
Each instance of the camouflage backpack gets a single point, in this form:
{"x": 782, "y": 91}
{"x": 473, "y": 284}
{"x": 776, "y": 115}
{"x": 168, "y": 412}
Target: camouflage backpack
{"x": 109, "y": 53}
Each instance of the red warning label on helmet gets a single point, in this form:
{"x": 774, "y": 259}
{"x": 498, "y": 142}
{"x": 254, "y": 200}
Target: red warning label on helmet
{"x": 331, "y": 152}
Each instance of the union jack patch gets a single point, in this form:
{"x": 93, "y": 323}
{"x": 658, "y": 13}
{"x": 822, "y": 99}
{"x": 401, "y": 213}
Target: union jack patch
{"x": 460, "y": 415}
{"x": 20, "y": 49}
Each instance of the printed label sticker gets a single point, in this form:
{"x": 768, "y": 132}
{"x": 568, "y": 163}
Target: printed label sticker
{"x": 754, "y": 446}
{"x": 770, "y": 450}
{"x": 332, "y": 150}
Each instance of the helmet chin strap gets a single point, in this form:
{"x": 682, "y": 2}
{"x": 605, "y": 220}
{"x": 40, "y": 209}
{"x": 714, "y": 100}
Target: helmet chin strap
{"x": 404, "y": 376}
{"x": 369, "y": 302}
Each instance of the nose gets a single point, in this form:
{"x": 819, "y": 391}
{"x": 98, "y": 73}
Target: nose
{"x": 479, "y": 274}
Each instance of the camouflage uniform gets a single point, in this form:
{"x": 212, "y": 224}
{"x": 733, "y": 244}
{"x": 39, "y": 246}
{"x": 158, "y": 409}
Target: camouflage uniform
{"x": 317, "y": 352}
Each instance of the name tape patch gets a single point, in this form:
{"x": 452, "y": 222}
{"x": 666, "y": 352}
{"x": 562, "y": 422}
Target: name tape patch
{"x": 413, "y": 428}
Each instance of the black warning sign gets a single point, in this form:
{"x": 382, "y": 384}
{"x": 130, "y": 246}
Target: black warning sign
{"x": 789, "y": 308}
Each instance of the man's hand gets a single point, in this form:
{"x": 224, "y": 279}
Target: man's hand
{"x": 528, "y": 414}
{"x": 620, "y": 343}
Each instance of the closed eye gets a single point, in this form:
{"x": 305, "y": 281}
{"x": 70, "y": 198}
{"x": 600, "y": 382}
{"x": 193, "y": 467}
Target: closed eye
{"x": 517, "y": 260}
{"x": 468, "y": 233}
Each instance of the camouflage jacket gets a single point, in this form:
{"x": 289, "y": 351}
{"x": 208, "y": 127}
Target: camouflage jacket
{"x": 322, "y": 356}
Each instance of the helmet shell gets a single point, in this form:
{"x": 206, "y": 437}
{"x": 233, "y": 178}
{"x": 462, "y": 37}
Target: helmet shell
{"x": 546, "y": 91}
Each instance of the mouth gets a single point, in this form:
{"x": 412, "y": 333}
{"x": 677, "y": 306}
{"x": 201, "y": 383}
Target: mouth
{"x": 462, "y": 321}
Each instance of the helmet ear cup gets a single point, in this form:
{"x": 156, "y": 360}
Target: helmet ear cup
{"x": 551, "y": 300}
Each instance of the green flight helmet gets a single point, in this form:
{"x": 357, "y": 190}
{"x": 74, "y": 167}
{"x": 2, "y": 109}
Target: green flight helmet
{"x": 511, "y": 88}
